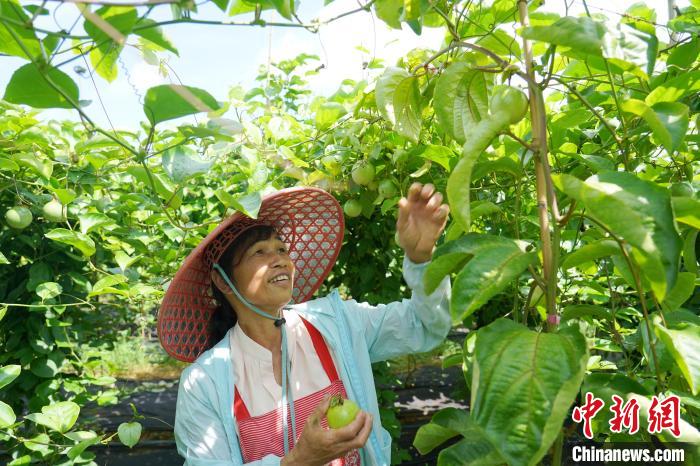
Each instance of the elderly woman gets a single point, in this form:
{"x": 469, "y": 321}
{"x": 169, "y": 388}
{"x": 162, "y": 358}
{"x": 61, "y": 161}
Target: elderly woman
{"x": 267, "y": 359}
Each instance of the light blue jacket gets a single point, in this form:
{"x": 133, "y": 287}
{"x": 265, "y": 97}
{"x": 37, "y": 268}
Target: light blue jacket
{"x": 358, "y": 334}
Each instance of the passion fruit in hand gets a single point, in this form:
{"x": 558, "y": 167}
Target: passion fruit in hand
{"x": 18, "y": 217}
{"x": 341, "y": 412}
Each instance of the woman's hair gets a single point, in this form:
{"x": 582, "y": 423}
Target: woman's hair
{"x": 224, "y": 316}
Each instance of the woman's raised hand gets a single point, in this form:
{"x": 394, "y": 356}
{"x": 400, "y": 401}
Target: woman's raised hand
{"x": 318, "y": 446}
{"x": 422, "y": 219}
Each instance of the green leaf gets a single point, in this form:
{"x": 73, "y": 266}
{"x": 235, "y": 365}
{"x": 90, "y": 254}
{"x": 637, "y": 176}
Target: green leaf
{"x": 39, "y": 165}
{"x": 248, "y": 204}
{"x": 129, "y": 433}
{"x": 30, "y": 86}
{"x": 3, "y": 259}
{"x": 222, "y": 4}
{"x": 59, "y": 416}
{"x": 675, "y": 89}
{"x": 398, "y": 99}
{"x": 630, "y": 48}
{"x": 389, "y": 11}
{"x": 438, "y": 154}
{"x": 491, "y": 263}
{"x": 684, "y": 345}
{"x": 684, "y": 55}
{"x": 460, "y": 99}
{"x": 328, "y": 114}
{"x": 690, "y": 259}
{"x": 576, "y": 311}
{"x": 182, "y": 163}
{"x": 106, "y": 285}
{"x": 590, "y": 252}
{"x": 430, "y": 436}
{"x": 104, "y": 60}
{"x": 80, "y": 241}
{"x": 8, "y": 374}
{"x": 48, "y": 290}
{"x": 8, "y": 165}
{"x": 164, "y": 189}
{"x": 687, "y": 210}
{"x": 7, "y": 415}
{"x": 11, "y": 10}
{"x": 92, "y": 221}
{"x": 44, "y": 367}
{"x": 170, "y": 101}
{"x": 639, "y": 212}
{"x": 147, "y": 29}
{"x": 581, "y": 34}
{"x": 523, "y": 385}
{"x": 667, "y": 120}
{"x": 688, "y": 433}
{"x": 411, "y": 10}
{"x": 681, "y": 292}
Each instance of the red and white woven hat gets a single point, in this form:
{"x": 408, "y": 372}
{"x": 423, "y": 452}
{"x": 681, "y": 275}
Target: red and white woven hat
{"x": 309, "y": 220}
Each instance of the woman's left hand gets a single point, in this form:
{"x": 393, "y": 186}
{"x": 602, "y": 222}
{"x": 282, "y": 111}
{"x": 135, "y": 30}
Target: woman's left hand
{"x": 422, "y": 219}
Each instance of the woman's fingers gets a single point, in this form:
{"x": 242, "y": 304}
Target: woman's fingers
{"x": 435, "y": 201}
{"x": 320, "y": 411}
{"x": 360, "y": 437}
{"x": 414, "y": 192}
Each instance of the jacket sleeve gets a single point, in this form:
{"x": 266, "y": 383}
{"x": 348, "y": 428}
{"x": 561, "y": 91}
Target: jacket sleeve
{"x": 199, "y": 431}
{"x": 408, "y": 326}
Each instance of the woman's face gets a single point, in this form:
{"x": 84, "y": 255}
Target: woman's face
{"x": 264, "y": 274}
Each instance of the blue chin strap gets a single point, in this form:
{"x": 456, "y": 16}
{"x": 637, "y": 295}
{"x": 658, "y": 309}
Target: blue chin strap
{"x": 287, "y": 397}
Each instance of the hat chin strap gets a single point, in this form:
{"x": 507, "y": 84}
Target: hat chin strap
{"x": 287, "y": 397}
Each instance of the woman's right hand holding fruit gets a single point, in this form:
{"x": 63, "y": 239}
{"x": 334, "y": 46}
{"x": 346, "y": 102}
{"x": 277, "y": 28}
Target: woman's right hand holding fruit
{"x": 318, "y": 446}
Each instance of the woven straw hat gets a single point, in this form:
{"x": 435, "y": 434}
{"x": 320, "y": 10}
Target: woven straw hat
{"x": 309, "y": 220}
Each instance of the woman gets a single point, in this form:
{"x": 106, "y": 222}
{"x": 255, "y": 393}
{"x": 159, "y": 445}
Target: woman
{"x": 264, "y": 372}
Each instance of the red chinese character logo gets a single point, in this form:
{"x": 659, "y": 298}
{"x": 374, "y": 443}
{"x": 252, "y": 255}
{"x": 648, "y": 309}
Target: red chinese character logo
{"x": 587, "y": 412}
{"x": 625, "y": 416}
{"x": 665, "y": 415}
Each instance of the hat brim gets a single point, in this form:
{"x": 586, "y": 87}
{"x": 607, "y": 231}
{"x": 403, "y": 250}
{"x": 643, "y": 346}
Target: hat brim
{"x": 309, "y": 220}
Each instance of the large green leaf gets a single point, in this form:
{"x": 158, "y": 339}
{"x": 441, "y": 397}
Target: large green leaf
{"x": 474, "y": 448}
{"x": 59, "y": 416}
{"x": 109, "y": 27}
{"x": 460, "y": 99}
{"x": 639, "y": 212}
{"x": 523, "y": 385}
{"x": 690, "y": 258}
{"x": 675, "y": 88}
{"x": 11, "y": 32}
{"x": 389, "y": 11}
{"x": 147, "y": 29}
{"x": 681, "y": 292}
{"x": 129, "y": 433}
{"x": 683, "y": 343}
{"x": 82, "y": 242}
{"x": 398, "y": 99}
{"x": 492, "y": 262}
{"x": 164, "y": 189}
{"x": 7, "y": 415}
{"x": 687, "y": 210}
{"x": 181, "y": 163}
{"x": 667, "y": 120}
{"x": 8, "y": 374}
{"x": 590, "y": 252}
{"x": 630, "y": 48}
{"x": 581, "y": 34}
{"x": 30, "y": 86}
{"x": 170, "y": 101}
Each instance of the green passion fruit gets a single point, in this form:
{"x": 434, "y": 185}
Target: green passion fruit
{"x": 387, "y": 188}
{"x": 18, "y": 217}
{"x": 341, "y": 412}
{"x": 54, "y": 211}
{"x": 362, "y": 173}
{"x": 352, "y": 208}
{"x": 509, "y": 100}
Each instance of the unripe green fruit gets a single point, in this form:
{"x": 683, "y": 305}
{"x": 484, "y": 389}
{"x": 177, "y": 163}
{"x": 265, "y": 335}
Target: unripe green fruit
{"x": 682, "y": 189}
{"x": 362, "y": 173}
{"x": 352, "y": 208}
{"x": 387, "y": 188}
{"x": 341, "y": 412}
{"x": 54, "y": 211}
{"x": 509, "y": 100}
{"x": 372, "y": 185}
{"x": 18, "y": 218}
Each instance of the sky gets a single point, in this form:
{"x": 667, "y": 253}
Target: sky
{"x": 216, "y": 58}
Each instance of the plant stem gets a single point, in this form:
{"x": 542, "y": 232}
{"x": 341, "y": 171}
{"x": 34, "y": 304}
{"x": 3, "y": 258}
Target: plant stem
{"x": 558, "y": 447}
{"x": 545, "y": 193}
